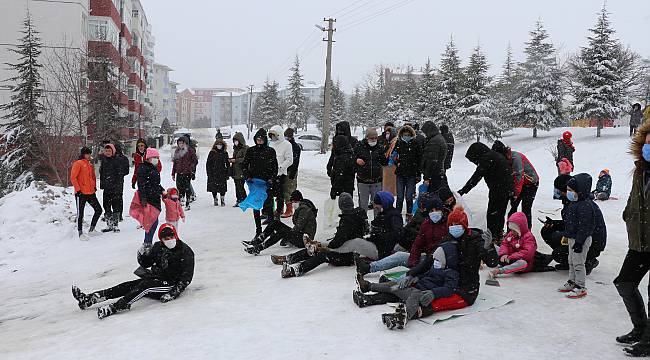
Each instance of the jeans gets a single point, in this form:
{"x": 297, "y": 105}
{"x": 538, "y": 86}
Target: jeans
{"x": 148, "y": 235}
{"x": 405, "y": 190}
{"x": 577, "y": 270}
{"x": 367, "y": 194}
{"x": 397, "y": 259}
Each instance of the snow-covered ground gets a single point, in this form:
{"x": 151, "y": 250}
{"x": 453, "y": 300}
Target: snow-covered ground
{"x": 238, "y": 306}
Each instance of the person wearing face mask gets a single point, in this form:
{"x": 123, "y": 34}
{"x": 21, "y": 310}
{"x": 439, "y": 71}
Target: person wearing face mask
{"x": 637, "y": 260}
{"x": 139, "y": 156}
{"x": 111, "y": 179}
{"x": 434, "y": 155}
{"x": 284, "y": 155}
{"x": 165, "y": 272}
{"x": 150, "y": 193}
{"x": 238, "y": 155}
{"x": 369, "y": 162}
{"x": 517, "y": 250}
{"x": 388, "y": 135}
{"x": 184, "y": 168}
{"x": 408, "y": 168}
{"x": 217, "y": 167}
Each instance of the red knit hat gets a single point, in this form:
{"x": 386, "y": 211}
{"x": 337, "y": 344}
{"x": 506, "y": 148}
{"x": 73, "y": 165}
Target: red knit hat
{"x": 458, "y": 216}
{"x": 166, "y": 228}
{"x": 567, "y": 135}
{"x": 172, "y": 192}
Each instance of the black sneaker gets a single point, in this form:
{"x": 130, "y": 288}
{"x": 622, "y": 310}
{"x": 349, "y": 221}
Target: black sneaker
{"x": 84, "y": 301}
{"x": 640, "y": 349}
{"x": 359, "y": 298}
{"x": 106, "y": 311}
{"x": 254, "y": 249}
{"x": 632, "y": 337}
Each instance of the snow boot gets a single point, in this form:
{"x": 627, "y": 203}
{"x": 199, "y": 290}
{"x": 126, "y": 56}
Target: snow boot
{"x": 289, "y": 271}
{"x": 289, "y": 212}
{"x": 567, "y": 287}
{"x": 86, "y": 301}
{"x": 362, "y": 300}
{"x": 632, "y": 337}
{"x": 363, "y": 284}
{"x": 215, "y": 201}
{"x": 278, "y": 259}
{"x": 108, "y": 310}
{"x": 258, "y": 239}
{"x": 640, "y": 349}
{"x": 223, "y": 201}
{"x": 590, "y": 265}
{"x": 254, "y": 249}
{"x": 398, "y": 319}
{"x": 363, "y": 267}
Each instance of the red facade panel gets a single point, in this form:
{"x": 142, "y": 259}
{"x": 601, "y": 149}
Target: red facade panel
{"x": 105, "y": 8}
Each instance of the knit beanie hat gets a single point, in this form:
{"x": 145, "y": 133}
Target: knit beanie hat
{"x": 458, "y": 216}
{"x": 346, "y": 204}
{"x": 167, "y": 230}
{"x": 567, "y": 135}
{"x": 430, "y": 201}
{"x": 561, "y": 181}
{"x": 296, "y": 195}
{"x": 152, "y": 153}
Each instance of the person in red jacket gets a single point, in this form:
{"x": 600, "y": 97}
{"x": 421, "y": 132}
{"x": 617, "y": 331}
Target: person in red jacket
{"x": 139, "y": 156}
{"x": 517, "y": 250}
{"x": 82, "y": 177}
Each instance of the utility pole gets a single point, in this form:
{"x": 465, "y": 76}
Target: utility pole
{"x": 328, "y": 85}
{"x": 250, "y": 105}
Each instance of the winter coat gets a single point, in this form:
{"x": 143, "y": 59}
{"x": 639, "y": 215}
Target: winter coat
{"x": 283, "y": 150}
{"x": 351, "y": 226}
{"x": 636, "y": 117}
{"x": 260, "y": 161}
{"x": 139, "y": 158}
{"x": 604, "y": 185}
{"x": 441, "y": 281}
{"x": 292, "y": 171}
{"x": 304, "y": 218}
{"x": 82, "y": 177}
{"x": 580, "y": 217}
{"x": 173, "y": 209}
{"x": 519, "y": 247}
{"x": 341, "y": 167}
{"x": 343, "y": 128}
{"x": 565, "y": 151}
{"x": 185, "y": 160}
{"x": 412, "y": 229}
{"x": 239, "y": 153}
{"x": 434, "y": 152}
{"x": 387, "y": 226}
{"x": 217, "y": 167}
{"x": 373, "y": 157}
{"x": 523, "y": 171}
{"x": 427, "y": 240}
{"x": 471, "y": 252}
{"x": 449, "y": 139}
{"x": 175, "y": 266}
{"x": 637, "y": 211}
{"x": 408, "y": 154}
{"x": 386, "y": 138}
{"x": 490, "y": 166}
{"x": 149, "y": 184}
{"x": 112, "y": 172}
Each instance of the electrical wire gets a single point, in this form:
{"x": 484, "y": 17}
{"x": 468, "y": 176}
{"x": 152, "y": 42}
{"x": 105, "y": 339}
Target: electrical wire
{"x": 345, "y": 8}
{"x": 375, "y": 15}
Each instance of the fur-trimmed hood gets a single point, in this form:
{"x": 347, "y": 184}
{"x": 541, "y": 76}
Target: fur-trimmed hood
{"x": 638, "y": 140}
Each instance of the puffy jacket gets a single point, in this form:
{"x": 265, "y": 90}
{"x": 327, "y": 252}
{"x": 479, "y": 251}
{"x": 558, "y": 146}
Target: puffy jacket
{"x": 449, "y": 138}
{"x": 580, "y": 219}
{"x": 175, "y": 266}
{"x": 112, "y": 172}
{"x": 217, "y": 168}
{"x": 637, "y": 210}
{"x": 351, "y": 226}
{"x": 341, "y": 167}
{"x": 427, "y": 240}
{"x": 173, "y": 209}
{"x": 260, "y": 161}
{"x": 304, "y": 218}
{"x": 82, "y": 177}
{"x": 523, "y": 171}
{"x": 373, "y": 157}
{"x": 387, "y": 226}
{"x": 292, "y": 171}
{"x": 441, "y": 281}
{"x": 519, "y": 247}
{"x": 139, "y": 158}
{"x": 434, "y": 151}
{"x": 604, "y": 184}
{"x": 239, "y": 153}
{"x": 408, "y": 154}
{"x": 491, "y": 166}
{"x": 470, "y": 254}
{"x": 149, "y": 184}
{"x": 185, "y": 160}
{"x": 565, "y": 151}
{"x": 283, "y": 150}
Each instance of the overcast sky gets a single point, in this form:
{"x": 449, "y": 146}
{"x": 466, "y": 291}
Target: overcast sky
{"x": 236, "y": 43}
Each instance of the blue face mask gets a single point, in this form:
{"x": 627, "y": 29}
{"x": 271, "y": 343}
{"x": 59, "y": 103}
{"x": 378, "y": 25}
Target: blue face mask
{"x": 646, "y": 152}
{"x": 435, "y": 216}
{"x": 572, "y": 196}
{"x": 407, "y": 138}
{"x": 456, "y": 231}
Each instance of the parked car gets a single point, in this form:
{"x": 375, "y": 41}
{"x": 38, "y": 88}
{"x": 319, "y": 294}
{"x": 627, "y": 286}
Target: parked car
{"x": 309, "y": 142}
{"x": 225, "y": 132}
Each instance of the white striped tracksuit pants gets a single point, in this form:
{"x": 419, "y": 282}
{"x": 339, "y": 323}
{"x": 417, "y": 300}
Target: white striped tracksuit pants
{"x": 132, "y": 291}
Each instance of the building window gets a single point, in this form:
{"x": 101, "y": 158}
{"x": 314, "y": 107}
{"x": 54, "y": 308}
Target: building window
{"x": 135, "y": 13}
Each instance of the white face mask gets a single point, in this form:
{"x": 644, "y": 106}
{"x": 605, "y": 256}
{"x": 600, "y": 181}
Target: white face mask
{"x": 296, "y": 204}
{"x": 154, "y": 161}
{"x": 219, "y": 147}
{"x": 236, "y": 143}
{"x": 372, "y": 143}
{"x": 170, "y": 244}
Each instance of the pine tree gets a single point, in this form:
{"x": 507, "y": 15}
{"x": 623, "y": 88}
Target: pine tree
{"x": 267, "y": 110}
{"x": 356, "y": 113}
{"x": 427, "y": 104}
{"x": 19, "y": 144}
{"x": 296, "y": 114}
{"x": 599, "y": 91}
{"x": 338, "y": 103}
{"x": 103, "y": 101}
{"x": 505, "y": 92}
{"x": 449, "y": 86}
{"x": 475, "y": 106}
{"x": 165, "y": 127}
{"x": 539, "y": 104}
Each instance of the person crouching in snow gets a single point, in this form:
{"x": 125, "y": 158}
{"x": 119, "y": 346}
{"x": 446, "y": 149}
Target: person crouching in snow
{"x": 173, "y": 208}
{"x": 603, "y": 186}
{"x": 304, "y": 223}
{"x": 217, "y": 167}
{"x": 171, "y": 263}
{"x": 352, "y": 224}
{"x": 517, "y": 251}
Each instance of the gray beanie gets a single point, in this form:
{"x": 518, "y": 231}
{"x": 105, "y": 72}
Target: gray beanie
{"x": 346, "y": 204}
{"x": 371, "y": 132}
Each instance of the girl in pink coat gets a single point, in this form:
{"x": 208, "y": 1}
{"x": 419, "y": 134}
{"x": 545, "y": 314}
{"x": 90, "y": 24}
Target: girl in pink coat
{"x": 518, "y": 248}
{"x": 173, "y": 208}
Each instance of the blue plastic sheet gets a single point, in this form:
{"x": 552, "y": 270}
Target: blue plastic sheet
{"x": 256, "y": 195}
{"x": 421, "y": 190}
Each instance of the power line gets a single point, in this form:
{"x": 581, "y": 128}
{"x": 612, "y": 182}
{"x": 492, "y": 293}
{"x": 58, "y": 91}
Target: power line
{"x": 346, "y": 8}
{"x": 363, "y": 9}
{"x": 375, "y": 15}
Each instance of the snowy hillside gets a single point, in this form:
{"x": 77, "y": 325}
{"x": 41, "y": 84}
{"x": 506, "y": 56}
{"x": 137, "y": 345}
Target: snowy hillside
{"x": 238, "y": 306}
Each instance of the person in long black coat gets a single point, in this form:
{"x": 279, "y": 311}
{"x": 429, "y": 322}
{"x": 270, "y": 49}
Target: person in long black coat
{"x": 341, "y": 168}
{"x": 217, "y": 168}
{"x": 495, "y": 170}
{"x": 434, "y": 153}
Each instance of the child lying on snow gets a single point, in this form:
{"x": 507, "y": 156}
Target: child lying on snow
{"x": 517, "y": 250}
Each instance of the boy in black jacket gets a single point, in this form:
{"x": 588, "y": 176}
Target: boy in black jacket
{"x": 172, "y": 269}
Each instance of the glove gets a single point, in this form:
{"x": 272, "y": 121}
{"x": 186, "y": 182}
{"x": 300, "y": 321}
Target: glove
{"x": 407, "y": 281}
{"x": 577, "y": 248}
{"x": 133, "y": 186}
{"x": 487, "y": 238}
{"x": 166, "y": 298}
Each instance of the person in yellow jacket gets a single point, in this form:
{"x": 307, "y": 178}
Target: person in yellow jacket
{"x": 83, "y": 179}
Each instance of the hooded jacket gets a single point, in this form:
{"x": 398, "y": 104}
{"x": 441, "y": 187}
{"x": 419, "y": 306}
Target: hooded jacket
{"x": 82, "y": 177}
{"x": 387, "y": 226}
{"x": 491, "y": 166}
{"x": 304, "y": 218}
{"x": 519, "y": 247}
{"x": 343, "y": 128}
{"x": 523, "y": 171}
{"x": 581, "y": 216}
{"x": 604, "y": 184}
{"x": 239, "y": 153}
{"x": 434, "y": 152}
{"x": 373, "y": 157}
{"x": 112, "y": 171}
{"x": 442, "y": 281}
{"x": 139, "y": 158}
{"x": 149, "y": 184}
{"x": 175, "y": 266}
{"x": 637, "y": 210}
{"x": 260, "y": 161}
{"x": 217, "y": 168}
{"x": 351, "y": 226}
{"x": 283, "y": 150}
{"x": 341, "y": 167}
{"x": 449, "y": 138}
{"x": 185, "y": 160}
{"x": 408, "y": 153}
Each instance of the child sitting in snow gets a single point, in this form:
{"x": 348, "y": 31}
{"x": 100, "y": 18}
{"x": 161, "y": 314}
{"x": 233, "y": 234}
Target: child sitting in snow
{"x": 603, "y": 186}
{"x": 173, "y": 208}
{"x": 518, "y": 248}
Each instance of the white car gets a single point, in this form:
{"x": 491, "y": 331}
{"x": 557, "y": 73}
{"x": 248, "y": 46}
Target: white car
{"x": 226, "y": 133}
{"x": 309, "y": 142}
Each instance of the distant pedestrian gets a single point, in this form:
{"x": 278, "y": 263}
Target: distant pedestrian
{"x": 434, "y": 155}
{"x": 184, "y": 169}
{"x": 291, "y": 183}
{"x": 636, "y": 117}
{"x": 238, "y": 155}
{"x": 407, "y": 172}
{"x": 341, "y": 167}
{"x": 565, "y": 149}
{"x": 218, "y": 135}
{"x": 217, "y": 167}
{"x": 449, "y": 139}
{"x": 111, "y": 179}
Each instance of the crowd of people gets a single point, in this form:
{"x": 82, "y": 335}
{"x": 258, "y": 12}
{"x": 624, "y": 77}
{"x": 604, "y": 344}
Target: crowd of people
{"x": 432, "y": 233}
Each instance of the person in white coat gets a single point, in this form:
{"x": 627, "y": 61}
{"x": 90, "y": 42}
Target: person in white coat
{"x": 284, "y": 155}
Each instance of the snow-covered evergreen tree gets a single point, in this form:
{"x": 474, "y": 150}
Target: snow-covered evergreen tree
{"x": 357, "y": 111}
{"x": 401, "y": 105}
{"x": 338, "y": 103}
{"x": 19, "y": 144}
{"x": 449, "y": 86}
{"x": 599, "y": 91}
{"x": 476, "y": 109}
{"x": 267, "y": 106}
{"x": 296, "y": 114}
{"x": 505, "y": 92}
{"x": 427, "y": 104}
{"x": 539, "y": 102}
